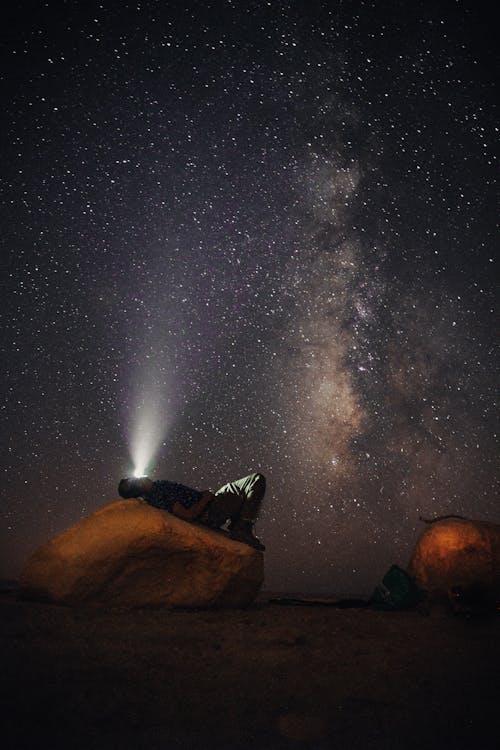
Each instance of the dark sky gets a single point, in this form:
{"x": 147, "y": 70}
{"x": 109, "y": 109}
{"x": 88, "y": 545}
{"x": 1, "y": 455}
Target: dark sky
{"x": 251, "y": 236}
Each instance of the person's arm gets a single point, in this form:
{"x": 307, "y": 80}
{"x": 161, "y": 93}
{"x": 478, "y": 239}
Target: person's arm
{"x": 189, "y": 514}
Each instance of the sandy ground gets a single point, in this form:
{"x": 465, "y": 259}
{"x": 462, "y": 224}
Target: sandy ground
{"x": 271, "y": 676}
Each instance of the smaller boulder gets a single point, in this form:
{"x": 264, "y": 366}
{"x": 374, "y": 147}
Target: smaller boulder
{"x": 458, "y": 560}
{"x": 133, "y": 555}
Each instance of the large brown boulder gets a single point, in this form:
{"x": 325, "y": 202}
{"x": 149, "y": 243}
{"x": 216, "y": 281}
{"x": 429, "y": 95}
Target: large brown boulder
{"x": 459, "y": 558}
{"x": 130, "y": 554}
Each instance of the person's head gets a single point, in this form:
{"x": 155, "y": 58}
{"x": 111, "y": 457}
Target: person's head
{"x": 134, "y": 487}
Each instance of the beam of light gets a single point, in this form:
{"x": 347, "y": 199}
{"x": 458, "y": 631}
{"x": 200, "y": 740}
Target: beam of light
{"x": 148, "y": 425}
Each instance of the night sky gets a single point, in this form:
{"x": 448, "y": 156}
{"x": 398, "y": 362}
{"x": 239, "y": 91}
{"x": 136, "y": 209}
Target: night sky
{"x": 251, "y": 236}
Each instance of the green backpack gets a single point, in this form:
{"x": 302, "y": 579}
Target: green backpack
{"x": 398, "y": 590}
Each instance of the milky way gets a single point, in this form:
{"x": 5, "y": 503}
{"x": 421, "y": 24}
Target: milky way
{"x": 266, "y": 231}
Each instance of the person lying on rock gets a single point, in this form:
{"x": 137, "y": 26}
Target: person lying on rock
{"x": 238, "y": 501}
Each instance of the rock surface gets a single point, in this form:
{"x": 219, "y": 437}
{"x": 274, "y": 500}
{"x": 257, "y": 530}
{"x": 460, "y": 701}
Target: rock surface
{"x": 459, "y": 558}
{"x": 132, "y": 555}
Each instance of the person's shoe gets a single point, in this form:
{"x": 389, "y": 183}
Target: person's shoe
{"x": 243, "y": 532}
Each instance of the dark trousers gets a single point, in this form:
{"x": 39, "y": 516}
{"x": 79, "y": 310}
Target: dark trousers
{"x": 238, "y": 501}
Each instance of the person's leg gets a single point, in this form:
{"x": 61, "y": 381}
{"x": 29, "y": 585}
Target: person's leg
{"x": 226, "y": 505}
{"x": 250, "y": 491}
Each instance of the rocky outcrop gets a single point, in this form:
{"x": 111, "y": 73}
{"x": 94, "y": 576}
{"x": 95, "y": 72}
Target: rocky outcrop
{"x": 459, "y": 559}
{"x": 130, "y": 554}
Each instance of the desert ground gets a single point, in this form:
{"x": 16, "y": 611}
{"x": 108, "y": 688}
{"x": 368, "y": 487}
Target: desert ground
{"x": 270, "y": 676}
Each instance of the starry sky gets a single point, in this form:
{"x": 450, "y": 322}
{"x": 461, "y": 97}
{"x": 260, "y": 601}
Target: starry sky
{"x": 247, "y": 236}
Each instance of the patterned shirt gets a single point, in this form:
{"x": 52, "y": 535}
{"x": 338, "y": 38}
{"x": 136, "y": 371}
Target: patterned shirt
{"x": 164, "y": 494}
